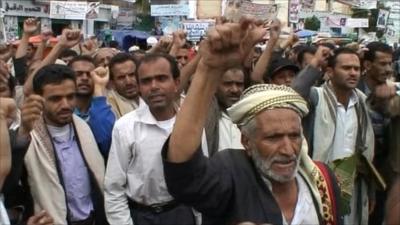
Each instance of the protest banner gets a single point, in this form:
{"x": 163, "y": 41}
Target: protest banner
{"x": 169, "y": 24}
{"x": 169, "y": 10}
{"x": 68, "y": 10}
{"x": 294, "y": 9}
{"x": 308, "y": 5}
{"x": 354, "y": 3}
{"x": 207, "y": 9}
{"x": 367, "y": 4}
{"x": 93, "y": 10}
{"x": 357, "y": 22}
{"x": 259, "y": 11}
{"x": 382, "y": 20}
{"x": 196, "y": 29}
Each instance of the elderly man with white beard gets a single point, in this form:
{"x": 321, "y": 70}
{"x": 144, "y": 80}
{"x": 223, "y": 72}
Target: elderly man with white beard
{"x": 273, "y": 181}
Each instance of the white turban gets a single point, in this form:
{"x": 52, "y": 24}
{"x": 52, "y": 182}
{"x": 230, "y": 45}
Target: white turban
{"x": 266, "y": 96}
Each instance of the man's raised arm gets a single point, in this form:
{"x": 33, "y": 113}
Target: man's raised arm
{"x": 227, "y": 45}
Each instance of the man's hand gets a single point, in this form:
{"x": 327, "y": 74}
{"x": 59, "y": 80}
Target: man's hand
{"x": 89, "y": 47}
{"x": 321, "y": 56}
{"x": 163, "y": 45}
{"x": 8, "y": 110}
{"x": 70, "y": 38}
{"x": 43, "y": 218}
{"x": 31, "y": 111}
{"x": 385, "y": 91}
{"x": 100, "y": 78}
{"x": 46, "y": 35}
{"x": 179, "y": 38}
{"x": 4, "y": 73}
{"x": 5, "y": 51}
{"x": 274, "y": 31}
{"x": 31, "y": 25}
{"x": 229, "y": 44}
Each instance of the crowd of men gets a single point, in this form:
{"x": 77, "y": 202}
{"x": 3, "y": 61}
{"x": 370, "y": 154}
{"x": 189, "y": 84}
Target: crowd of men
{"x": 227, "y": 134}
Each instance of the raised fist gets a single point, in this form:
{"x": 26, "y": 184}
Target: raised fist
{"x": 179, "y": 38}
{"x": 31, "y": 111}
{"x": 229, "y": 44}
{"x": 100, "y": 76}
{"x": 8, "y": 109}
{"x": 31, "y": 25}
{"x": 70, "y": 38}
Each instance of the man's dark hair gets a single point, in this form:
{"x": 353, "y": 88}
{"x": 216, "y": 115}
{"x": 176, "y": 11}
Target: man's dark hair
{"x": 67, "y": 53}
{"x": 337, "y": 52}
{"x": 85, "y": 58}
{"x": 307, "y": 49}
{"x": 120, "y": 58}
{"x": 113, "y": 44}
{"x": 328, "y": 45}
{"x": 374, "y": 47}
{"x": 51, "y": 74}
{"x": 155, "y": 56}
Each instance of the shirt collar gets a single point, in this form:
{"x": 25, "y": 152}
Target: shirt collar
{"x": 352, "y": 100}
{"x": 145, "y": 116}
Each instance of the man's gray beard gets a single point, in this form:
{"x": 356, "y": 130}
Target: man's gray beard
{"x": 263, "y": 165}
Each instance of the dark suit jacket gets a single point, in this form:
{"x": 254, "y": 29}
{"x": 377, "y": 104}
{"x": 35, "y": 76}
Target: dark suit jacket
{"x": 226, "y": 188}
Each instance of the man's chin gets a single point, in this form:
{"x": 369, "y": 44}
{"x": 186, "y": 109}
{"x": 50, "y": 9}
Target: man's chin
{"x": 84, "y": 93}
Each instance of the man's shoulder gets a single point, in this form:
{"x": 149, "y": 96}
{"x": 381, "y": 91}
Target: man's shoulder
{"x": 230, "y": 156}
{"x": 128, "y": 118}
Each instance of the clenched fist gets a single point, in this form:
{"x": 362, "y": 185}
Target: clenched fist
{"x": 31, "y": 111}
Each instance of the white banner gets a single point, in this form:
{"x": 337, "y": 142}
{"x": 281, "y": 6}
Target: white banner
{"x": 169, "y": 10}
{"x": 259, "y": 11}
{"x": 24, "y": 8}
{"x": 294, "y": 9}
{"x": 367, "y": 4}
{"x": 68, "y": 10}
{"x": 195, "y": 30}
{"x": 357, "y": 22}
{"x": 362, "y": 4}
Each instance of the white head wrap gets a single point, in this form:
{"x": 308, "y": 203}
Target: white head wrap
{"x": 266, "y": 96}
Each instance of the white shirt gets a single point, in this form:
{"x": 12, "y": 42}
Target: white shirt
{"x": 346, "y": 130}
{"x": 305, "y": 211}
{"x": 134, "y": 168}
{"x": 229, "y": 134}
{"x": 3, "y": 212}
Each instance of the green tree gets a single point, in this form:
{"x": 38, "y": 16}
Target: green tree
{"x": 143, "y": 6}
{"x": 312, "y": 23}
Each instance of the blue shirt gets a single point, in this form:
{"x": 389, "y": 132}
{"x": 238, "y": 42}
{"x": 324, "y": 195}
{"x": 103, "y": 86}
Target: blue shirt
{"x": 100, "y": 119}
{"x": 75, "y": 176}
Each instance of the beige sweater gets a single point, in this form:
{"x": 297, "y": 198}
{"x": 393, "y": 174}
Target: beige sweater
{"x": 46, "y": 189}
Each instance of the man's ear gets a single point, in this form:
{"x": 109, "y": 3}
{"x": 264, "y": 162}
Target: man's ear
{"x": 329, "y": 72}
{"x": 177, "y": 82}
{"x": 367, "y": 65}
{"x": 246, "y": 143}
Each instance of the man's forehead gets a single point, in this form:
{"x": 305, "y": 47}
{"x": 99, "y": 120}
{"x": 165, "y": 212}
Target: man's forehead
{"x": 382, "y": 56}
{"x": 183, "y": 51}
{"x": 233, "y": 73}
{"x": 63, "y": 87}
{"x": 347, "y": 58}
{"x": 82, "y": 63}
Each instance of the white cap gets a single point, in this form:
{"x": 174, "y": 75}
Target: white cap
{"x": 133, "y": 48}
{"x": 151, "y": 41}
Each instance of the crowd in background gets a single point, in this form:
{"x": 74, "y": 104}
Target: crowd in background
{"x": 91, "y": 135}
